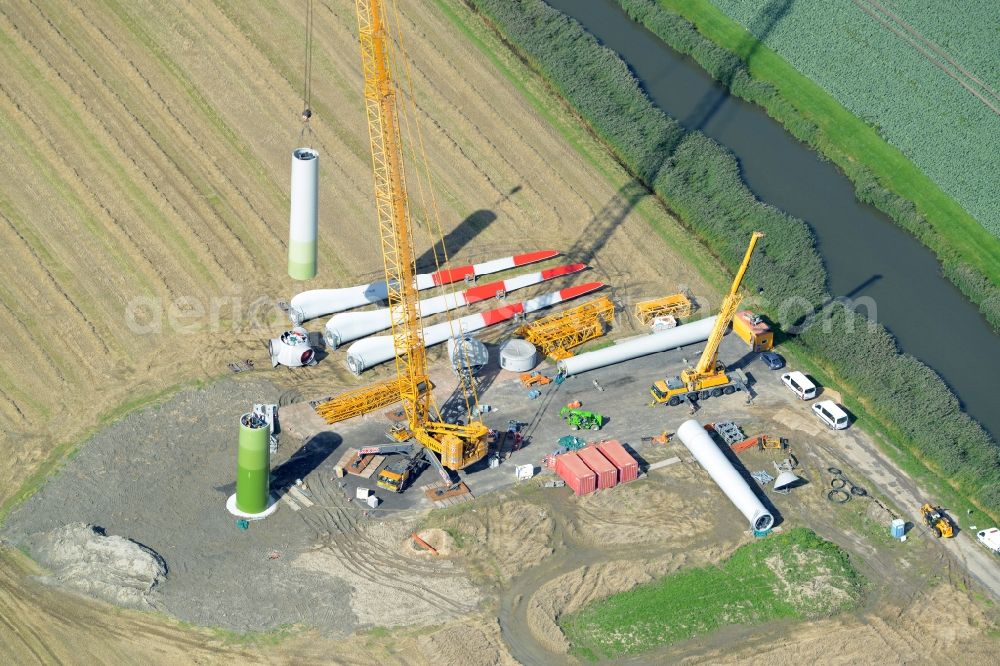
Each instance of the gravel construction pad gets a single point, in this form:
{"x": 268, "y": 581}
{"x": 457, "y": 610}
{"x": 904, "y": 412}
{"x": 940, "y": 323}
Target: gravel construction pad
{"x": 161, "y": 476}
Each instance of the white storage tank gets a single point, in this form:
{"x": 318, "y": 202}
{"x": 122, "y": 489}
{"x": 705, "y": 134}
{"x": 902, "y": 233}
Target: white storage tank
{"x": 518, "y": 355}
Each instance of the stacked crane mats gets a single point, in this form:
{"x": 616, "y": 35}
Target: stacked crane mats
{"x": 730, "y": 432}
{"x": 674, "y": 305}
{"x": 559, "y": 333}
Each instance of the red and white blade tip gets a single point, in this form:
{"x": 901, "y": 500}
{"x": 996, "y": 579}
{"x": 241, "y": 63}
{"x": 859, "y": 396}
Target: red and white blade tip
{"x": 566, "y": 269}
{"x": 532, "y": 257}
{"x": 580, "y": 289}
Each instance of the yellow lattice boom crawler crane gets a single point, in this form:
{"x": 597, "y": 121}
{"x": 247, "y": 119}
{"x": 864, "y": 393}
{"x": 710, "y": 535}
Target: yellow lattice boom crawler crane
{"x": 457, "y": 445}
{"x": 709, "y": 378}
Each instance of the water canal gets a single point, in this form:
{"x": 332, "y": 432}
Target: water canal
{"x": 866, "y": 255}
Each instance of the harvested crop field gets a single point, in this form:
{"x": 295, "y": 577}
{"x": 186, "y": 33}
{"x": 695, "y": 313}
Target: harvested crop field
{"x": 158, "y": 137}
{"x": 144, "y": 198}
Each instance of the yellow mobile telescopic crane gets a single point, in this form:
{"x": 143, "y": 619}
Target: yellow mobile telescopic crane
{"x": 709, "y": 378}
{"x": 458, "y": 446}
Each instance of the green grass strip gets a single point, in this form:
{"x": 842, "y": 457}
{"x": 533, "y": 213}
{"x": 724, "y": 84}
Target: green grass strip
{"x": 770, "y": 579}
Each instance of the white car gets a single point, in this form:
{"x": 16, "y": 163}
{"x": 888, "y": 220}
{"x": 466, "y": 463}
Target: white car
{"x": 831, "y": 414}
{"x": 799, "y": 384}
{"x": 990, "y": 538}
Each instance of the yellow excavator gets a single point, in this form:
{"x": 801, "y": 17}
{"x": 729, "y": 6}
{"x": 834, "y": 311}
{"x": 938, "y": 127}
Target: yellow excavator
{"x": 709, "y": 378}
{"x": 458, "y": 446}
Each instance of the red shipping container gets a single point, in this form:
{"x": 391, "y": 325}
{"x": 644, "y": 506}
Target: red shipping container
{"x": 578, "y": 476}
{"x": 628, "y": 468}
{"x": 607, "y": 474}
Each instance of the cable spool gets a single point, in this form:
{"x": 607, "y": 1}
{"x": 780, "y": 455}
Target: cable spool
{"x": 838, "y": 496}
{"x": 837, "y": 483}
{"x": 859, "y": 491}
{"x": 834, "y": 471}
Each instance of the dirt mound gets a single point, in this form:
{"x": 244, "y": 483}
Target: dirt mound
{"x": 387, "y": 590}
{"x": 507, "y": 538}
{"x": 576, "y": 589}
{"x": 436, "y": 538}
{"x": 641, "y": 513}
{"x": 112, "y": 568}
{"x": 474, "y": 643}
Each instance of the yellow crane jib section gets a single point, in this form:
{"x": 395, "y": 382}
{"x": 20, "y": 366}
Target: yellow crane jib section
{"x": 558, "y": 333}
{"x": 708, "y": 363}
{"x": 674, "y": 305}
{"x": 396, "y": 236}
{"x": 361, "y": 401}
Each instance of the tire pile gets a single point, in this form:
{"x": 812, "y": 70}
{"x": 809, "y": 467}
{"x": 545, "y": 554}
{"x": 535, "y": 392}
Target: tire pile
{"x": 841, "y": 488}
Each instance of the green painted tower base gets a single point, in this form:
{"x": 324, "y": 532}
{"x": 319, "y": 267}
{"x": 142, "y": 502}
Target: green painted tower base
{"x": 253, "y": 469}
{"x": 301, "y": 259}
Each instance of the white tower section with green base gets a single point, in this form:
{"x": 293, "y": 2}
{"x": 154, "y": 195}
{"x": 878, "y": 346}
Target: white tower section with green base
{"x": 303, "y": 218}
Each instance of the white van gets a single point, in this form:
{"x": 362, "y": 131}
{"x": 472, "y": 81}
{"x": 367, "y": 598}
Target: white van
{"x": 831, "y": 414}
{"x": 990, "y": 538}
{"x": 799, "y": 384}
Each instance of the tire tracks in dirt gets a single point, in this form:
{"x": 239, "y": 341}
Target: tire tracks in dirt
{"x": 568, "y": 555}
{"x": 101, "y": 109}
{"x": 931, "y": 52}
{"x": 192, "y": 146}
{"x": 81, "y": 133}
{"x": 375, "y": 559}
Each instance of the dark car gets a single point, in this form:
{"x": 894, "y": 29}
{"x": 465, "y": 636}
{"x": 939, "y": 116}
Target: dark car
{"x": 772, "y": 360}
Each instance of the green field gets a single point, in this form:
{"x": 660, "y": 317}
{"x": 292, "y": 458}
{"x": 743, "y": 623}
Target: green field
{"x": 877, "y": 60}
{"x": 792, "y": 575}
{"x": 882, "y": 175}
